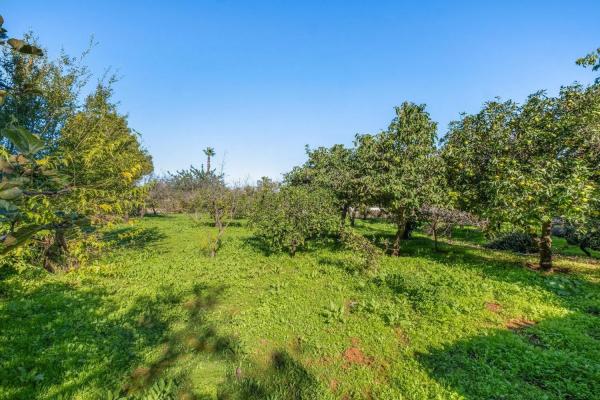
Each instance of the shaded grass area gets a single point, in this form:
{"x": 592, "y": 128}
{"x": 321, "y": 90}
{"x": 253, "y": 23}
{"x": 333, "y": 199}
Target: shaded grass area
{"x": 157, "y": 318}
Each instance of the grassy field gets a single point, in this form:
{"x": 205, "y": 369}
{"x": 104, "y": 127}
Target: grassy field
{"x": 156, "y": 318}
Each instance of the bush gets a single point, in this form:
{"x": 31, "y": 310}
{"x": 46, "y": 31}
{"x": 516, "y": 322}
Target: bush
{"x": 367, "y": 254}
{"x": 287, "y": 219}
{"x": 515, "y": 241}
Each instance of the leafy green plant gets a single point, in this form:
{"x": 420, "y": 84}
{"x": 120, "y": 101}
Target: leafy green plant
{"x": 287, "y": 219}
{"x": 333, "y": 313}
{"x": 564, "y": 286}
{"x": 367, "y": 255}
{"x": 516, "y": 241}
{"x": 527, "y": 164}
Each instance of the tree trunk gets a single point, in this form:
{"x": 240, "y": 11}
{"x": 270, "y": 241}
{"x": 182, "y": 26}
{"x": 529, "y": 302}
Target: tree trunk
{"x": 344, "y": 215}
{"x": 399, "y": 235}
{"x": 55, "y": 254}
{"x": 435, "y": 236}
{"x": 586, "y": 251}
{"x": 353, "y": 218}
{"x": 545, "y": 244}
{"x": 409, "y": 226}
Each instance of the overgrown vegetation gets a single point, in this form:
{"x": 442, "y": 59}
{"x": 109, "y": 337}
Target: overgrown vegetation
{"x": 208, "y": 305}
{"x": 156, "y": 312}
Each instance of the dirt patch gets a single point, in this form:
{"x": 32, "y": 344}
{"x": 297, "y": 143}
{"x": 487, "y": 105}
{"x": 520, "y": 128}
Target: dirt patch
{"x": 493, "y": 307}
{"x": 516, "y": 324}
{"x": 402, "y": 336}
{"x": 355, "y": 356}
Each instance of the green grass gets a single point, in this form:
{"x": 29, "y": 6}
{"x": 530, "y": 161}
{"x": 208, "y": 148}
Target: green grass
{"x": 157, "y": 318}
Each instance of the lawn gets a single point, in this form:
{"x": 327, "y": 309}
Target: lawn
{"x": 156, "y": 318}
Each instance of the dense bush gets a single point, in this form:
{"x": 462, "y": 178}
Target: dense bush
{"x": 286, "y": 219}
{"x": 515, "y": 241}
{"x": 367, "y": 254}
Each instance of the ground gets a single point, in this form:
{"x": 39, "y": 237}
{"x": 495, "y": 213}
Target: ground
{"x": 155, "y": 318}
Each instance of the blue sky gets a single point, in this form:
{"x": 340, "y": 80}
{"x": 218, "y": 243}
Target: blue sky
{"x": 257, "y": 80}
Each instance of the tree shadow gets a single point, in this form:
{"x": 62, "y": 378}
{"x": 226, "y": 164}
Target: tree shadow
{"x": 196, "y": 338}
{"x": 329, "y": 242}
{"x": 503, "y": 266}
{"x": 559, "y": 358}
{"x": 133, "y": 237}
{"x": 211, "y": 224}
{"x": 259, "y": 245}
{"x": 56, "y": 338}
{"x": 283, "y": 378}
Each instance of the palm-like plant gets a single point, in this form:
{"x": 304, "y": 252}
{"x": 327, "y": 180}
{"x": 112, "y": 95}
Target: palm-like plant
{"x": 210, "y": 152}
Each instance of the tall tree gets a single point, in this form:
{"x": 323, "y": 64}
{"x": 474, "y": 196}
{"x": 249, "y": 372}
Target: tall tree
{"x": 103, "y": 157}
{"x": 526, "y": 165}
{"x": 209, "y": 152}
{"x": 591, "y": 60}
{"x": 334, "y": 169}
{"x": 400, "y": 165}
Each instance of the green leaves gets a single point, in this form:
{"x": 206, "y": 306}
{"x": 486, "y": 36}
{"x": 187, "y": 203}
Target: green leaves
{"x": 15, "y": 239}
{"x": 11, "y": 193}
{"x": 23, "y": 140}
{"x": 287, "y": 219}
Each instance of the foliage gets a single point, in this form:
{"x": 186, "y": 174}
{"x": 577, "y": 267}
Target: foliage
{"x": 334, "y": 169}
{"x": 586, "y": 236}
{"x": 368, "y": 254}
{"x": 591, "y": 60}
{"x": 286, "y": 219}
{"x": 400, "y": 166}
{"x": 29, "y": 179}
{"x": 61, "y": 167}
{"x": 103, "y": 159}
{"x": 527, "y": 164}
{"x": 518, "y": 242}
{"x": 333, "y": 313}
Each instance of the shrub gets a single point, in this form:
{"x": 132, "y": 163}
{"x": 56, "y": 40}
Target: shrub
{"x": 367, "y": 254}
{"x": 515, "y": 241}
{"x": 287, "y": 219}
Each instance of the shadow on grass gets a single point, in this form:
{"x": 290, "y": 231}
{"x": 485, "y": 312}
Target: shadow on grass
{"x": 211, "y": 224}
{"x": 196, "y": 338}
{"x": 555, "y": 359}
{"x": 283, "y": 379}
{"x": 56, "y": 339}
{"x": 133, "y": 237}
{"x": 330, "y": 243}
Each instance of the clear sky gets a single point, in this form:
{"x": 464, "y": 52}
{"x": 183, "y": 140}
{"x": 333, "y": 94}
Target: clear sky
{"x": 257, "y": 80}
